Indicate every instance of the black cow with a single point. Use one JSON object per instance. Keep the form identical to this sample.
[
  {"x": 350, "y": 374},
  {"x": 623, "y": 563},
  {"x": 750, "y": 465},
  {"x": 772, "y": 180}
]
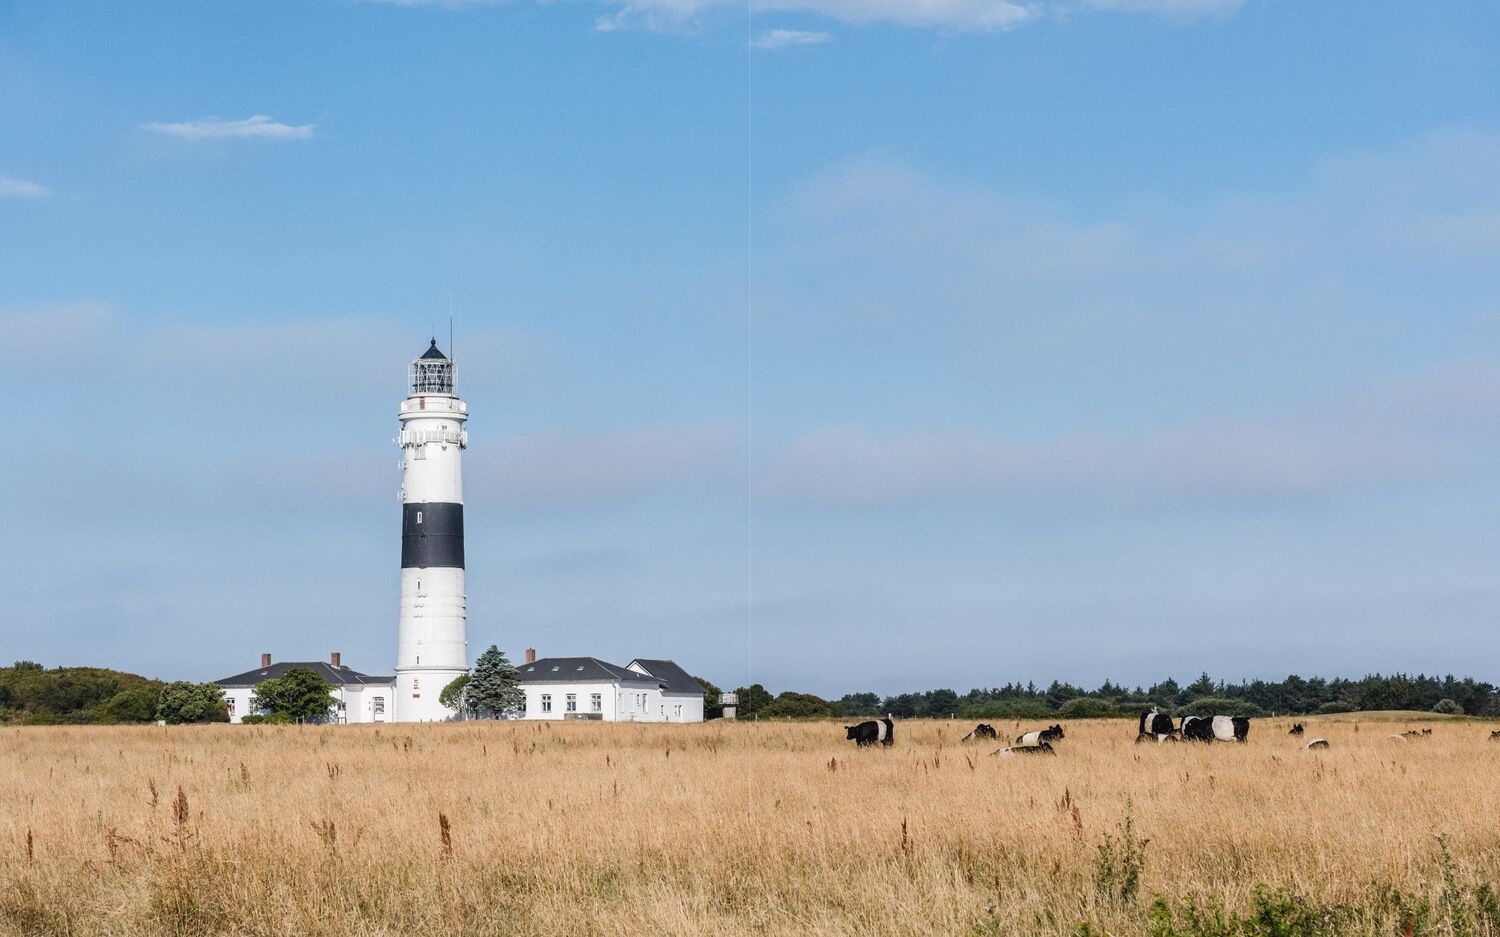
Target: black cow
[
  {"x": 875, "y": 730},
  {"x": 981, "y": 731},
  {"x": 1053, "y": 733},
  {"x": 1156, "y": 727},
  {"x": 1495, "y": 736},
  {"x": 1040, "y": 748},
  {"x": 1297, "y": 729}
]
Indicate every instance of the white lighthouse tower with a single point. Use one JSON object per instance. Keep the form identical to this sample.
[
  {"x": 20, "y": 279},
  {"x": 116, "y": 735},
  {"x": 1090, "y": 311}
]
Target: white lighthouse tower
[{"x": 432, "y": 648}]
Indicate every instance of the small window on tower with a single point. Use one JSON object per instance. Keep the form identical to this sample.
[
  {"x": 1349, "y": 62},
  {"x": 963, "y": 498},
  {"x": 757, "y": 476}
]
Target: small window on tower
[{"x": 419, "y": 517}]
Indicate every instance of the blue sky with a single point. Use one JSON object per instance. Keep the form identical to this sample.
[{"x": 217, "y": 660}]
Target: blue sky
[{"x": 1090, "y": 338}]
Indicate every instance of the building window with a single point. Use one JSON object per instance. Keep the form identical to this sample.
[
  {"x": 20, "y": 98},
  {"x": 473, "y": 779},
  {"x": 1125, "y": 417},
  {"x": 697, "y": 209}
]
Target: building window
[
  {"x": 546, "y": 702},
  {"x": 419, "y": 517},
  {"x": 572, "y": 702},
  {"x": 416, "y": 685},
  {"x": 596, "y": 702},
  {"x": 378, "y": 704},
  {"x": 230, "y": 701},
  {"x": 677, "y": 711}
]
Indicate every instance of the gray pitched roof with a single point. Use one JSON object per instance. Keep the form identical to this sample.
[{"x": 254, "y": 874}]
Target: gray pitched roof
[
  {"x": 673, "y": 678},
  {"x": 338, "y": 676},
  {"x": 576, "y": 670},
  {"x": 433, "y": 353}
]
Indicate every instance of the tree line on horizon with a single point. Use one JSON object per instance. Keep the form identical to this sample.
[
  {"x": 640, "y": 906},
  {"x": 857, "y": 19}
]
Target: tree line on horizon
[
  {"x": 34, "y": 695},
  {"x": 1204, "y": 696}
]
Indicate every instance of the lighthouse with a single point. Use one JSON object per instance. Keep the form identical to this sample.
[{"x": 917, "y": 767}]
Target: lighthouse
[{"x": 432, "y": 648}]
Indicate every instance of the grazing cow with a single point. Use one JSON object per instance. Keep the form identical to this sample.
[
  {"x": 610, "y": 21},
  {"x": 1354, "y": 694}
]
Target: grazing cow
[
  {"x": 1040, "y": 748},
  {"x": 1414, "y": 735},
  {"x": 875, "y": 730},
  {"x": 1314, "y": 744},
  {"x": 1211, "y": 728},
  {"x": 1156, "y": 727},
  {"x": 981, "y": 731},
  {"x": 1196, "y": 729},
  {"x": 1297, "y": 730},
  {"x": 1495, "y": 736},
  {"x": 1050, "y": 734},
  {"x": 1231, "y": 728}
]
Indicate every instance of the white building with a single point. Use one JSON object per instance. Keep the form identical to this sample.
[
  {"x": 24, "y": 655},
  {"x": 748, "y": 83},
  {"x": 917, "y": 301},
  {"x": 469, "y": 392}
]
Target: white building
[
  {"x": 432, "y": 646},
  {"x": 361, "y": 697},
  {"x": 589, "y": 688}
]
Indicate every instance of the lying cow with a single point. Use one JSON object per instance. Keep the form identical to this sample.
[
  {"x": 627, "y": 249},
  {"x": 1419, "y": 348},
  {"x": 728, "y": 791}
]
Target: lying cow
[
  {"x": 1156, "y": 727},
  {"x": 1297, "y": 729},
  {"x": 1315, "y": 744},
  {"x": 1040, "y": 748},
  {"x": 981, "y": 731},
  {"x": 1214, "y": 728},
  {"x": 1052, "y": 733},
  {"x": 1414, "y": 735},
  {"x": 875, "y": 730}
]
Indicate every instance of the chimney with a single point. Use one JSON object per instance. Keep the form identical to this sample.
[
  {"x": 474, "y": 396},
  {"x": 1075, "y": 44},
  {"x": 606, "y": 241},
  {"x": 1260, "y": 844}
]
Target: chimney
[
  {"x": 265, "y": 661},
  {"x": 334, "y": 658},
  {"x": 531, "y": 655}
]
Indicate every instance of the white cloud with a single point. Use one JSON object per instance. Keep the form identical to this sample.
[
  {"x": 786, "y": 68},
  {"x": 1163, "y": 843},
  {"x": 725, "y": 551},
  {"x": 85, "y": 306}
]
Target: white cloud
[
  {"x": 947, "y": 14},
  {"x": 22, "y": 188},
  {"x": 1173, "y": 9},
  {"x": 774, "y": 39},
  {"x": 588, "y": 467},
  {"x": 1424, "y": 428},
  {"x": 956, "y": 15},
  {"x": 257, "y": 127},
  {"x": 448, "y": 4}
]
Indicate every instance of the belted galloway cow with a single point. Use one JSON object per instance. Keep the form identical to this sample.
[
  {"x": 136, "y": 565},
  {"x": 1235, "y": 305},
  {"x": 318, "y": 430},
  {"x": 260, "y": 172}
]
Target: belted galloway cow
[
  {"x": 871, "y": 732},
  {"x": 1156, "y": 727},
  {"x": 1053, "y": 733},
  {"x": 981, "y": 731},
  {"x": 1040, "y": 748}
]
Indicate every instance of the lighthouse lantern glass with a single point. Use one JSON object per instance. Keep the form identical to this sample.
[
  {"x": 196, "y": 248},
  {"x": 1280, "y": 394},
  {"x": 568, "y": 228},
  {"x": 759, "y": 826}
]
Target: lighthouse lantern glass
[{"x": 432, "y": 376}]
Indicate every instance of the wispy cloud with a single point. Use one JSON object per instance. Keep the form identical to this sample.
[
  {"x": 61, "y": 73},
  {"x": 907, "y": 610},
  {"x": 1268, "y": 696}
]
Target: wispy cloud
[
  {"x": 1173, "y": 9},
  {"x": 449, "y": 4},
  {"x": 22, "y": 188},
  {"x": 775, "y": 39},
  {"x": 948, "y": 14},
  {"x": 257, "y": 127}
]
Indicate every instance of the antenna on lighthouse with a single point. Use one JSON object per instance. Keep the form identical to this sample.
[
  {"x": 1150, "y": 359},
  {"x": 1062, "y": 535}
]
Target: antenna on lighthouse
[{"x": 453, "y": 357}]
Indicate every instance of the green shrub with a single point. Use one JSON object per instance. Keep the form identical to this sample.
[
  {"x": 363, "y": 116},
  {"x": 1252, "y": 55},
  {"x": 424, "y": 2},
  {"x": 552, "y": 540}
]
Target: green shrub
[
  {"x": 1448, "y": 707},
  {"x": 1329, "y": 709},
  {"x": 1220, "y": 706},
  {"x": 277, "y": 719},
  {"x": 791, "y": 705},
  {"x": 1087, "y": 707},
  {"x": 254, "y": 719},
  {"x": 184, "y": 701},
  {"x": 137, "y": 704}
]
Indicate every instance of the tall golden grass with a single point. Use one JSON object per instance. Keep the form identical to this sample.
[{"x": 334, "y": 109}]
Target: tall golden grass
[{"x": 730, "y": 828}]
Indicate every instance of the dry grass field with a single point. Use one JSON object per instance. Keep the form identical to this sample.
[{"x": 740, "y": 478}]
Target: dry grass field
[{"x": 525, "y": 828}]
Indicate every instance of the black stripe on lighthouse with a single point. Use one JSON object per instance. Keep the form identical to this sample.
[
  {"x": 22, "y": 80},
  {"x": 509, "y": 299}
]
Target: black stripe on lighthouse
[{"x": 432, "y": 534}]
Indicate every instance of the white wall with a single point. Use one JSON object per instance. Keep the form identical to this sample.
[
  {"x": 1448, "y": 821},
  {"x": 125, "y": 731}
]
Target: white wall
[
  {"x": 358, "y": 700},
  {"x": 619, "y": 702},
  {"x": 683, "y": 707}
]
